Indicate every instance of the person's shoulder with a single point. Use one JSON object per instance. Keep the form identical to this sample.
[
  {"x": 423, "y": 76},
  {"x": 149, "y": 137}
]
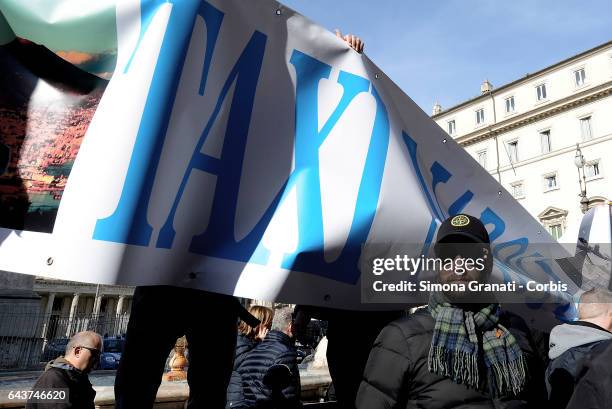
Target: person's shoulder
[
  {"x": 287, "y": 348},
  {"x": 53, "y": 378},
  {"x": 419, "y": 323},
  {"x": 513, "y": 321},
  {"x": 600, "y": 357},
  {"x": 407, "y": 337},
  {"x": 285, "y": 353},
  {"x": 274, "y": 343}
]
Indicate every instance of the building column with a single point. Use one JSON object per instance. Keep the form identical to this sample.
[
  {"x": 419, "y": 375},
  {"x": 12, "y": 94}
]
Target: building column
[
  {"x": 120, "y": 305},
  {"x": 95, "y": 314},
  {"x": 121, "y": 322},
  {"x": 97, "y": 305},
  {"x": 73, "y": 311},
  {"x": 47, "y": 316}
]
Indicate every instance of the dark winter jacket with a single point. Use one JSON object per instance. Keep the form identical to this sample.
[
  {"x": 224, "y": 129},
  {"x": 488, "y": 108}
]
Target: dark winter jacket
[
  {"x": 593, "y": 391},
  {"x": 235, "y": 395},
  {"x": 396, "y": 375},
  {"x": 59, "y": 373},
  {"x": 570, "y": 344},
  {"x": 276, "y": 348}
]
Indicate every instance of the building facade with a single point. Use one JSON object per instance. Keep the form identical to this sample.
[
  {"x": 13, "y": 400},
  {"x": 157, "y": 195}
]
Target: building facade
[
  {"x": 38, "y": 315},
  {"x": 526, "y": 134},
  {"x": 69, "y": 307}
]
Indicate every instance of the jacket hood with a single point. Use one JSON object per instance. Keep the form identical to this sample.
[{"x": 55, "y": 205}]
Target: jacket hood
[
  {"x": 63, "y": 364},
  {"x": 566, "y": 336}
]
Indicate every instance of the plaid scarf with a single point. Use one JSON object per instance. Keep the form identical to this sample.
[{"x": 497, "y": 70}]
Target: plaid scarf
[{"x": 454, "y": 347}]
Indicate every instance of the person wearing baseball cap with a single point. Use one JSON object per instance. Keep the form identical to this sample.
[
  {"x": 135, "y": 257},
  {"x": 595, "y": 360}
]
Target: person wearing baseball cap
[
  {"x": 455, "y": 353},
  {"x": 463, "y": 244}
]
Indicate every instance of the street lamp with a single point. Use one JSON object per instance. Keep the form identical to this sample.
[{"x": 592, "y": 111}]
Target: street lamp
[{"x": 580, "y": 162}]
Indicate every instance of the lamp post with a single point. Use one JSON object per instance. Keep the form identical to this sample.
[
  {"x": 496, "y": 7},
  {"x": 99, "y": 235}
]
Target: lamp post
[{"x": 580, "y": 162}]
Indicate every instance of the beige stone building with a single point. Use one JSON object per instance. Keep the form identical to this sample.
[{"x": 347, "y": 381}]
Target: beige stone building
[
  {"x": 69, "y": 306},
  {"x": 526, "y": 134}
]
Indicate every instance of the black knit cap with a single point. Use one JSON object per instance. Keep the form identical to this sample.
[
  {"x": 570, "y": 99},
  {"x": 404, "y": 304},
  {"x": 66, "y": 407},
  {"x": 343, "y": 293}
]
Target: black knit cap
[{"x": 462, "y": 228}]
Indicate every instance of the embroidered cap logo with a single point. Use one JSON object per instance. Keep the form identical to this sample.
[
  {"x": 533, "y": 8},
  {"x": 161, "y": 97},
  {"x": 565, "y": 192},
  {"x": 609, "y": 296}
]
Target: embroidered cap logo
[{"x": 460, "y": 221}]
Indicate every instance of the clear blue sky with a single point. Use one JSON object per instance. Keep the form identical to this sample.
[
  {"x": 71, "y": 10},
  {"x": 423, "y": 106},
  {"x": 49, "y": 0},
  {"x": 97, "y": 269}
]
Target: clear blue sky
[{"x": 443, "y": 50}]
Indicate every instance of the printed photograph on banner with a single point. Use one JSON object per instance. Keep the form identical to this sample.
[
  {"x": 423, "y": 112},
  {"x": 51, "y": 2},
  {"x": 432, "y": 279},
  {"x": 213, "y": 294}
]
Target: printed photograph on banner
[{"x": 46, "y": 106}]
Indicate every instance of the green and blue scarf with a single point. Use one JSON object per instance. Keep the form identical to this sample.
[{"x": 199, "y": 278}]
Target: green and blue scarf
[{"x": 455, "y": 350}]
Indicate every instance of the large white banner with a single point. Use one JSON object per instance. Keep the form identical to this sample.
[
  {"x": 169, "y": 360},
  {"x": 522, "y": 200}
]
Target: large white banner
[{"x": 240, "y": 148}]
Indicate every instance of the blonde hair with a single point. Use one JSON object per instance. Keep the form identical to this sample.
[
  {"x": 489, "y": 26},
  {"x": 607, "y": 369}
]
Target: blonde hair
[{"x": 263, "y": 314}]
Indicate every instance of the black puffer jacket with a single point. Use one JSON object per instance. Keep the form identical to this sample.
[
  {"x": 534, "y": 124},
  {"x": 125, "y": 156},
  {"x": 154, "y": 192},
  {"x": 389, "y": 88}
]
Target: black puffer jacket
[
  {"x": 593, "y": 389},
  {"x": 61, "y": 374},
  {"x": 235, "y": 395},
  {"x": 570, "y": 345},
  {"x": 276, "y": 348},
  {"x": 396, "y": 375}
]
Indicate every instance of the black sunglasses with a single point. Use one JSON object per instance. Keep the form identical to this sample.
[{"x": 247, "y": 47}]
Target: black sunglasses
[{"x": 94, "y": 351}]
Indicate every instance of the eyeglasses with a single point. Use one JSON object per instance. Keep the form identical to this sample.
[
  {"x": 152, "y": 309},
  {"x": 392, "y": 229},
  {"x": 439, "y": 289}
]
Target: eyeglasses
[{"x": 94, "y": 351}]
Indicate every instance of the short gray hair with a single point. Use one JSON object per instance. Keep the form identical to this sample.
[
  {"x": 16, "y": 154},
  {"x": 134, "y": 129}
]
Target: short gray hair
[
  {"x": 594, "y": 303},
  {"x": 282, "y": 318},
  {"x": 83, "y": 338}
]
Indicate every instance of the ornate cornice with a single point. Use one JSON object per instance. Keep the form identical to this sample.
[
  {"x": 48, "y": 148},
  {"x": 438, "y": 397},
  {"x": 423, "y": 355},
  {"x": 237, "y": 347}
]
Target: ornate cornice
[
  {"x": 528, "y": 77},
  {"x": 47, "y": 285},
  {"x": 537, "y": 114}
]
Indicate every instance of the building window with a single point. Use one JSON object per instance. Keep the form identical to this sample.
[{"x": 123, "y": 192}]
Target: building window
[
  {"x": 517, "y": 190},
  {"x": 510, "y": 105},
  {"x": 451, "y": 127},
  {"x": 579, "y": 77},
  {"x": 482, "y": 158},
  {"x": 591, "y": 169},
  {"x": 585, "y": 128},
  {"x": 553, "y": 219},
  {"x": 545, "y": 141},
  {"x": 541, "y": 92},
  {"x": 480, "y": 116},
  {"x": 513, "y": 151},
  {"x": 556, "y": 230},
  {"x": 550, "y": 182}
]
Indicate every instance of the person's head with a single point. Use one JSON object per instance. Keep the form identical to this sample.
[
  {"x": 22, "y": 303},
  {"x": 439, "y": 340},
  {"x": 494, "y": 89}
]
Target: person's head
[
  {"x": 83, "y": 350},
  {"x": 463, "y": 245},
  {"x": 596, "y": 307},
  {"x": 283, "y": 320},
  {"x": 264, "y": 315},
  {"x": 301, "y": 319}
]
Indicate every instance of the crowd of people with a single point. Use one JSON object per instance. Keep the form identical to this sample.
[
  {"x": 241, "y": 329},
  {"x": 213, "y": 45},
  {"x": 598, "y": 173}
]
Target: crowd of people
[{"x": 455, "y": 352}]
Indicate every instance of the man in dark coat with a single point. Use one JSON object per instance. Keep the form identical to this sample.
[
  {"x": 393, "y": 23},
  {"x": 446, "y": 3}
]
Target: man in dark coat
[
  {"x": 462, "y": 351},
  {"x": 69, "y": 372},
  {"x": 593, "y": 389},
  {"x": 572, "y": 343},
  {"x": 277, "y": 348}
]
